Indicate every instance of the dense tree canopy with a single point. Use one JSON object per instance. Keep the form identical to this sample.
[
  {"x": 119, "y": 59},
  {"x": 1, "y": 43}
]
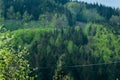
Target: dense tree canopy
[{"x": 58, "y": 40}]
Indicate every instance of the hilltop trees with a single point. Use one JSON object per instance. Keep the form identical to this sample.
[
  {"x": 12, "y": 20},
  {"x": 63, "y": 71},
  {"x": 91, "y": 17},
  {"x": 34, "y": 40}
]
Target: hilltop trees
[
  {"x": 26, "y": 17},
  {"x": 65, "y": 39},
  {"x": 115, "y": 20},
  {"x": 73, "y": 10},
  {"x": 1, "y": 9}
]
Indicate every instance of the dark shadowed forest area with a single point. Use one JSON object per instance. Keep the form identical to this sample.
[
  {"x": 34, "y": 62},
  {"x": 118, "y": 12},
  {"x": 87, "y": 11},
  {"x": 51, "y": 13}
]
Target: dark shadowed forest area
[{"x": 59, "y": 40}]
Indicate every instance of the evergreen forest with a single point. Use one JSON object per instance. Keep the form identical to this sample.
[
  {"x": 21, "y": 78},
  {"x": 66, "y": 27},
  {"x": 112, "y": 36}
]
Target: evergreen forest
[{"x": 59, "y": 40}]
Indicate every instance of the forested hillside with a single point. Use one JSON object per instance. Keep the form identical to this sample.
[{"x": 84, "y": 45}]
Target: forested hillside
[{"x": 58, "y": 40}]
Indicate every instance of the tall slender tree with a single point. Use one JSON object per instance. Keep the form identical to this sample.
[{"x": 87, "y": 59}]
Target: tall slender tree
[{"x": 1, "y": 8}]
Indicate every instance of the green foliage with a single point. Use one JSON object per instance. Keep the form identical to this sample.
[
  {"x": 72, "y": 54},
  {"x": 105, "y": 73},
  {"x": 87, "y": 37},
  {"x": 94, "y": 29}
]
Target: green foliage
[
  {"x": 115, "y": 20},
  {"x": 2, "y": 29},
  {"x": 13, "y": 65},
  {"x": 11, "y": 13},
  {"x": 59, "y": 72},
  {"x": 18, "y": 16},
  {"x": 74, "y": 8},
  {"x": 43, "y": 43},
  {"x": 60, "y": 47},
  {"x": 62, "y": 38},
  {"x": 58, "y": 40},
  {"x": 70, "y": 47},
  {"x": 26, "y": 16},
  {"x": 1, "y": 9},
  {"x": 43, "y": 20},
  {"x": 91, "y": 15},
  {"x": 59, "y": 21}
]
